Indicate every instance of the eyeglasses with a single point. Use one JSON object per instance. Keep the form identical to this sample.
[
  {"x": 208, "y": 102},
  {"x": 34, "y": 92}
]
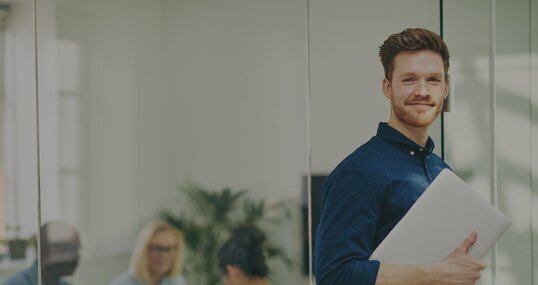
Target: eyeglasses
[{"x": 154, "y": 248}]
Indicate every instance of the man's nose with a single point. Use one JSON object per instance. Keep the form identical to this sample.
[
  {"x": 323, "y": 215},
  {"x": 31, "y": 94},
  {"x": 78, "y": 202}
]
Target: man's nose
[{"x": 421, "y": 88}]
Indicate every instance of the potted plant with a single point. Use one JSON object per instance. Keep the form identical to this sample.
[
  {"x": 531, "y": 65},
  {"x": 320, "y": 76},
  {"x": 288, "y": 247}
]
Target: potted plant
[
  {"x": 16, "y": 245},
  {"x": 208, "y": 224}
]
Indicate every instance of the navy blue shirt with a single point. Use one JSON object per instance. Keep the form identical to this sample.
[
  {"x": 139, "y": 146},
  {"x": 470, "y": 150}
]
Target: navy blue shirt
[{"x": 364, "y": 197}]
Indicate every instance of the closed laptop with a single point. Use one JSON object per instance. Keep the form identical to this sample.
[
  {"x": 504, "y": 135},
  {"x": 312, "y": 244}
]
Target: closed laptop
[{"x": 446, "y": 213}]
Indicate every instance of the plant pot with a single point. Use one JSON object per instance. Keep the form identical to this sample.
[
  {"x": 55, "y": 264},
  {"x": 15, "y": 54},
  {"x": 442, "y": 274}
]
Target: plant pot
[{"x": 17, "y": 249}]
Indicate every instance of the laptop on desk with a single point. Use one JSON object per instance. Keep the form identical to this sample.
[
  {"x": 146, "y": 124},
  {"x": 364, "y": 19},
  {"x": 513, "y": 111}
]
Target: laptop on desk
[{"x": 446, "y": 213}]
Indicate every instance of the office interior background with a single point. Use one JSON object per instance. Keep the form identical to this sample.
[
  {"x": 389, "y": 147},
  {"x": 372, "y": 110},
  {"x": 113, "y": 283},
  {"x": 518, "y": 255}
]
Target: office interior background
[{"x": 137, "y": 97}]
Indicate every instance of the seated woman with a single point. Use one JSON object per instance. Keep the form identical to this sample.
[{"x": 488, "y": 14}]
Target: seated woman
[
  {"x": 241, "y": 258},
  {"x": 156, "y": 259}
]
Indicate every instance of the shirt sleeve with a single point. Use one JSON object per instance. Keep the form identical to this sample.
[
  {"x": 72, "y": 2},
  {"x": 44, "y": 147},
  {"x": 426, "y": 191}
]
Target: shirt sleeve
[{"x": 345, "y": 236}]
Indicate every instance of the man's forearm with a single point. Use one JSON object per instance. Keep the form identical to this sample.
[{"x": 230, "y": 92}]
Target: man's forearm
[
  {"x": 456, "y": 268},
  {"x": 390, "y": 274}
]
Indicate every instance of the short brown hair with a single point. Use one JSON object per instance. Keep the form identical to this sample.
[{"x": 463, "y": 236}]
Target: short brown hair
[{"x": 411, "y": 40}]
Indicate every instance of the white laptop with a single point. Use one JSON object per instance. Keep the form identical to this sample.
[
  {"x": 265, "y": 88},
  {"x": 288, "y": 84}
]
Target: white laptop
[{"x": 446, "y": 213}]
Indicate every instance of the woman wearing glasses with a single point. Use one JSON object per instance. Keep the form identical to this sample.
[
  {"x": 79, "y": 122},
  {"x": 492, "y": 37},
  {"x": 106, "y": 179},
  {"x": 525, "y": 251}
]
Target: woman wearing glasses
[{"x": 156, "y": 258}]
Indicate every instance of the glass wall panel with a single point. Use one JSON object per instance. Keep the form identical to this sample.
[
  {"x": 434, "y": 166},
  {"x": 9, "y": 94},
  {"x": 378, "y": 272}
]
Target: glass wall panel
[
  {"x": 18, "y": 143},
  {"x": 468, "y": 125},
  {"x": 513, "y": 125},
  {"x": 170, "y": 109},
  {"x": 491, "y": 136},
  {"x": 196, "y": 109}
]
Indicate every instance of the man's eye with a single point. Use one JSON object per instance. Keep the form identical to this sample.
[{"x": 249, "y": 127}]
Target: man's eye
[
  {"x": 408, "y": 80},
  {"x": 436, "y": 80}
]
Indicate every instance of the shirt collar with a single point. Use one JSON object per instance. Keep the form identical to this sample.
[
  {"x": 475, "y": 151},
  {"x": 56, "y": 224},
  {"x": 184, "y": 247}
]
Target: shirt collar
[{"x": 402, "y": 142}]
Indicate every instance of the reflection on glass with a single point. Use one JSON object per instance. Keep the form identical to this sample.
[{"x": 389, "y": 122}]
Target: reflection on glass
[
  {"x": 495, "y": 114},
  {"x": 469, "y": 44},
  {"x": 513, "y": 126}
]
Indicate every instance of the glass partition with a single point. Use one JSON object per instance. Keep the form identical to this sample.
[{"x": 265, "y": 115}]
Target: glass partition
[
  {"x": 18, "y": 160},
  {"x": 469, "y": 44},
  {"x": 189, "y": 111},
  {"x": 491, "y": 133},
  {"x": 513, "y": 139},
  {"x": 197, "y": 113}
]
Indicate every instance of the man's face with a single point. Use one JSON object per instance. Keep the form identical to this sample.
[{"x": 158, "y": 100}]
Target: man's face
[
  {"x": 417, "y": 88},
  {"x": 60, "y": 249}
]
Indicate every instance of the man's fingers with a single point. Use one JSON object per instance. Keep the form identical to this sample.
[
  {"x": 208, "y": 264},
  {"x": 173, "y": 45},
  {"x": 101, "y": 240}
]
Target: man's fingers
[
  {"x": 467, "y": 243},
  {"x": 480, "y": 266}
]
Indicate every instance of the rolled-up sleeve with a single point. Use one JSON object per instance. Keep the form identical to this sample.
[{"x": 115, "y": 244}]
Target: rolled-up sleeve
[{"x": 345, "y": 236}]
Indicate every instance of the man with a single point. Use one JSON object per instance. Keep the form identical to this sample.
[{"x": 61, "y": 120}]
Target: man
[
  {"x": 374, "y": 187},
  {"x": 60, "y": 246}
]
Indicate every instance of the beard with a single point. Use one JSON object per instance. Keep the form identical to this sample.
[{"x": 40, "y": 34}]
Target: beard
[{"x": 416, "y": 118}]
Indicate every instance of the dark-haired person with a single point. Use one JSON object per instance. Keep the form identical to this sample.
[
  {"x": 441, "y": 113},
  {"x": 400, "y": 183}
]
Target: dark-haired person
[
  {"x": 368, "y": 193},
  {"x": 241, "y": 258},
  {"x": 60, "y": 246}
]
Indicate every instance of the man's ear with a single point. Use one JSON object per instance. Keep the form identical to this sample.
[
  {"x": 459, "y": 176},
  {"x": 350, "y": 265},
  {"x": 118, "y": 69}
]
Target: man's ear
[
  {"x": 446, "y": 106},
  {"x": 386, "y": 87},
  {"x": 233, "y": 271},
  {"x": 447, "y": 87}
]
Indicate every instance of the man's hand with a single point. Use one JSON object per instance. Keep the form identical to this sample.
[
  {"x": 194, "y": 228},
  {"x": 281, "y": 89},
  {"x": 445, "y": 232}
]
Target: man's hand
[{"x": 458, "y": 267}]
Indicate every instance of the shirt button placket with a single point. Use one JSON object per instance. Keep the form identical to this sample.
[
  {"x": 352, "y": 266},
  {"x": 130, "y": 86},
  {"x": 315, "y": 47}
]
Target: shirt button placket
[{"x": 426, "y": 164}]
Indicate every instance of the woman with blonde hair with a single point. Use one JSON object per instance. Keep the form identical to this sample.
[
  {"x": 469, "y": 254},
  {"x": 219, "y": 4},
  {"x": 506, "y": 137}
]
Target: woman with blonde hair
[{"x": 156, "y": 259}]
